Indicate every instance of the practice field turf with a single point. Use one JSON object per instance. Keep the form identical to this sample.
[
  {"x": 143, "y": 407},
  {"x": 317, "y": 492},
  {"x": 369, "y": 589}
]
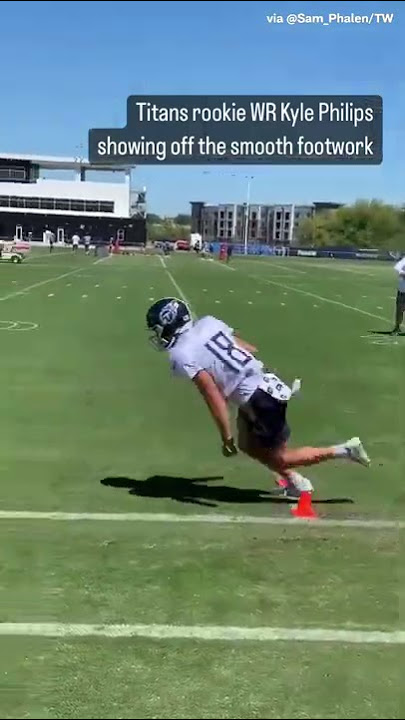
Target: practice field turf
[{"x": 143, "y": 575}]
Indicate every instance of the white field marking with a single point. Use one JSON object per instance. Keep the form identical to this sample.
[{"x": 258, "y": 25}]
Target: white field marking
[
  {"x": 379, "y": 307},
  {"x": 319, "y": 297},
  {"x": 107, "y": 257},
  {"x": 18, "y": 325},
  {"x": 336, "y": 268},
  {"x": 283, "y": 304},
  {"x": 151, "y": 299},
  {"x": 207, "y": 632},
  {"x": 41, "y": 283},
  {"x": 221, "y": 264},
  {"x": 275, "y": 263},
  {"x": 176, "y": 285},
  {"x": 98, "y": 285},
  {"x": 250, "y": 302},
  {"x": 211, "y": 518},
  {"x": 217, "y": 302},
  {"x": 84, "y": 296},
  {"x": 51, "y": 294},
  {"x": 315, "y": 306},
  {"x": 259, "y": 292},
  {"x": 118, "y": 297},
  {"x": 386, "y": 341}
]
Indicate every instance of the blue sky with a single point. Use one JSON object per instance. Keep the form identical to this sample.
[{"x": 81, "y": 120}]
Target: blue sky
[{"x": 69, "y": 66}]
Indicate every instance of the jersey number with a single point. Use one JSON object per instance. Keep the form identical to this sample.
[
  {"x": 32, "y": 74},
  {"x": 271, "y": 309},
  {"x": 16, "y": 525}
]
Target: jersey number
[{"x": 225, "y": 350}]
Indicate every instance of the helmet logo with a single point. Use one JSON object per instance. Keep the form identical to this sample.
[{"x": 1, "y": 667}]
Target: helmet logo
[{"x": 168, "y": 314}]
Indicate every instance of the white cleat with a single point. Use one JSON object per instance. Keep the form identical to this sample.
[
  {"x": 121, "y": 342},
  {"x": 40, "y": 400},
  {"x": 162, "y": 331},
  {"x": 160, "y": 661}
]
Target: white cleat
[{"x": 356, "y": 452}]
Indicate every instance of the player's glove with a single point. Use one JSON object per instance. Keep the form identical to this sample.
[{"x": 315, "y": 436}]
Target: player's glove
[{"x": 229, "y": 448}]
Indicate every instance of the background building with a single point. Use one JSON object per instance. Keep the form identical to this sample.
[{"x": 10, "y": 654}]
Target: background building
[
  {"x": 31, "y": 204},
  {"x": 267, "y": 224}
]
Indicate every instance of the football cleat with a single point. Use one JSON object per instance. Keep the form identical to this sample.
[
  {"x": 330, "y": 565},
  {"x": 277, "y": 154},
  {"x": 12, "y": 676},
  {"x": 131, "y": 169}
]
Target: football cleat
[{"x": 356, "y": 452}]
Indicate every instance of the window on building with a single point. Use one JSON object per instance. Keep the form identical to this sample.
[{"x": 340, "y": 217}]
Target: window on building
[
  {"x": 222, "y": 214},
  {"x": 221, "y": 233},
  {"x": 107, "y": 207},
  {"x": 287, "y": 215},
  {"x": 221, "y": 224},
  {"x": 12, "y": 173},
  {"x": 77, "y": 205},
  {"x": 254, "y": 215},
  {"x": 90, "y": 206},
  {"x": 18, "y": 201},
  {"x": 229, "y": 233},
  {"x": 62, "y": 204},
  {"x": 32, "y": 203}
]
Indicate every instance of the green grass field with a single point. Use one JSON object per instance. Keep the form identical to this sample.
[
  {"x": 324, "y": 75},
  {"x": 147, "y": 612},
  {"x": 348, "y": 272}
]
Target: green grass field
[{"x": 92, "y": 423}]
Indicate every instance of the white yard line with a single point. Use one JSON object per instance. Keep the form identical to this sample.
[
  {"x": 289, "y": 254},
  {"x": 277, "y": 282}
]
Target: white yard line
[
  {"x": 224, "y": 265},
  {"x": 15, "y": 293},
  {"x": 275, "y": 263},
  {"x": 103, "y": 259},
  {"x": 316, "y": 297},
  {"x": 175, "y": 284},
  {"x": 212, "y": 518},
  {"x": 206, "y": 632},
  {"x": 320, "y": 297}
]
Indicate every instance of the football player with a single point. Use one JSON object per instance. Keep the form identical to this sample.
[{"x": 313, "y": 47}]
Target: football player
[{"x": 225, "y": 370}]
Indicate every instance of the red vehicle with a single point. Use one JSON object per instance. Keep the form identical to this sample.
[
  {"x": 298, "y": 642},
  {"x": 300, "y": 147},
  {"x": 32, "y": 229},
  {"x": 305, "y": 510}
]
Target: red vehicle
[{"x": 182, "y": 245}]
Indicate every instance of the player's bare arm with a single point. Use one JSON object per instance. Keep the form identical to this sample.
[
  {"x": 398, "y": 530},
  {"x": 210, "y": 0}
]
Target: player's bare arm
[{"x": 218, "y": 408}]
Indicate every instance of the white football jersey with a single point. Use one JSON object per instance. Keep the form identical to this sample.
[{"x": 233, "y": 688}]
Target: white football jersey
[
  {"x": 209, "y": 345},
  {"x": 400, "y": 268}
]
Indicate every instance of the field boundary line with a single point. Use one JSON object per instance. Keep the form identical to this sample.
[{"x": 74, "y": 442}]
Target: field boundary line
[
  {"x": 15, "y": 293},
  {"x": 206, "y": 632},
  {"x": 175, "y": 284},
  {"x": 213, "y": 518}
]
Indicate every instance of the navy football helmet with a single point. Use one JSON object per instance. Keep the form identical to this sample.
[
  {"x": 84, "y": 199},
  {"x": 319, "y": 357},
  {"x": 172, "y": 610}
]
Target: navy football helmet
[{"x": 166, "y": 319}]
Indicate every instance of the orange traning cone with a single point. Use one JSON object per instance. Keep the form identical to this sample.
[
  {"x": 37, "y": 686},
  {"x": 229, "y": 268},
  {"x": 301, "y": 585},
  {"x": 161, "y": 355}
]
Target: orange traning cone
[{"x": 304, "y": 508}]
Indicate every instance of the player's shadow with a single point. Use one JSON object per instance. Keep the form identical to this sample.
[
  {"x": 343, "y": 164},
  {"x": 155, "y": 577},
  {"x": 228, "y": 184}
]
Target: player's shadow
[
  {"x": 386, "y": 332},
  {"x": 198, "y": 491}
]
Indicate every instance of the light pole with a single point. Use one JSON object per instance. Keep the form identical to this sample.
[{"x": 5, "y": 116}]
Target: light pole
[{"x": 246, "y": 229}]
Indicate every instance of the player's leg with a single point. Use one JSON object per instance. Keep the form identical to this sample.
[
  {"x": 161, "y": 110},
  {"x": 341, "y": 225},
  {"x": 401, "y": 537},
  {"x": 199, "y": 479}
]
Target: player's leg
[
  {"x": 263, "y": 448},
  {"x": 263, "y": 433},
  {"x": 399, "y": 311}
]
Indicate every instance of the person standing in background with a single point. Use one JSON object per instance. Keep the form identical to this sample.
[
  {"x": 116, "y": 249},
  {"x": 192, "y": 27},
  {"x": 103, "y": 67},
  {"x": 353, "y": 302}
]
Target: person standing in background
[{"x": 400, "y": 303}]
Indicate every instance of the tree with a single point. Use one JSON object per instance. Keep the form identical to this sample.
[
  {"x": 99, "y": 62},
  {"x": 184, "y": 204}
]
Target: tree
[
  {"x": 182, "y": 219},
  {"x": 153, "y": 219},
  {"x": 366, "y": 224}
]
